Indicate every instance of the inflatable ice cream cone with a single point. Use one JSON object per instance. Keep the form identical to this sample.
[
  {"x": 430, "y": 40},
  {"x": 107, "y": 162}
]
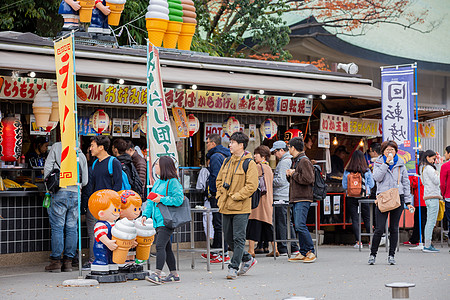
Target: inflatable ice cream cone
[
  {"x": 145, "y": 236},
  {"x": 175, "y": 24},
  {"x": 157, "y": 19},
  {"x": 189, "y": 24},
  {"x": 116, "y": 7},
  {"x": 86, "y": 10},
  {"x": 124, "y": 233}
]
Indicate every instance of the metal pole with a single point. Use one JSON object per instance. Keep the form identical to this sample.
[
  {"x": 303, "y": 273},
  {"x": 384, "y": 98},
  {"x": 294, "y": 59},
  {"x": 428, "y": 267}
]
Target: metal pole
[
  {"x": 80, "y": 272},
  {"x": 149, "y": 170},
  {"x": 417, "y": 149}
]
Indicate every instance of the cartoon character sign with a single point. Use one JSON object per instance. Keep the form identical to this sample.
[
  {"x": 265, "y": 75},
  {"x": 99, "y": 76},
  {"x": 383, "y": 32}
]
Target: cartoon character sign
[{"x": 104, "y": 206}]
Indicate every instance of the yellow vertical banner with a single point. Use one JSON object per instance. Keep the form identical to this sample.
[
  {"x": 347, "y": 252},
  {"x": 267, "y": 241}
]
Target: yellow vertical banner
[
  {"x": 179, "y": 116},
  {"x": 64, "y": 60}
]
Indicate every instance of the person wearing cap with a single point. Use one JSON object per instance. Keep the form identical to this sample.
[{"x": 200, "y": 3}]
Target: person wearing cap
[
  {"x": 281, "y": 196},
  {"x": 337, "y": 161}
]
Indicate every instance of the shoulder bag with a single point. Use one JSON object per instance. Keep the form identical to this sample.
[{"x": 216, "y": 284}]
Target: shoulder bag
[
  {"x": 262, "y": 182},
  {"x": 52, "y": 180},
  {"x": 175, "y": 216},
  {"x": 390, "y": 199}
]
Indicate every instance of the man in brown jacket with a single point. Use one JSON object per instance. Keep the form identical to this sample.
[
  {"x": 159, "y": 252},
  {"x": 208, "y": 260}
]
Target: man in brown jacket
[
  {"x": 301, "y": 197},
  {"x": 140, "y": 164},
  {"x": 235, "y": 187}
]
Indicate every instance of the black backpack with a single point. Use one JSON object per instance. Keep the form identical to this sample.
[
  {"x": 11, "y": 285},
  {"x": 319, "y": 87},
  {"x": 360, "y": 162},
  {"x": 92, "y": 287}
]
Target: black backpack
[
  {"x": 133, "y": 178},
  {"x": 256, "y": 196},
  {"x": 320, "y": 187}
]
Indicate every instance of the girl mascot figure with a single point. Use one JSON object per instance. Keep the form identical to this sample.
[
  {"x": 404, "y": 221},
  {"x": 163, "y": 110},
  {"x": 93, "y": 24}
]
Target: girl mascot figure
[{"x": 104, "y": 206}]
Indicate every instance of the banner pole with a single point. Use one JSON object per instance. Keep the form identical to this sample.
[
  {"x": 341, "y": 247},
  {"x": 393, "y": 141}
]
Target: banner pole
[
  {"x": 149, "y": 170},
  {"x": 417, "y": 150},
  {"x": 80, "y": 262}
]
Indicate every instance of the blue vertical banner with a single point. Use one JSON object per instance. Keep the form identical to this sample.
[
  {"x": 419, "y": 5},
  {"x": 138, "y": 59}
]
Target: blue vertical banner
[{"x": 397, "y": 103}]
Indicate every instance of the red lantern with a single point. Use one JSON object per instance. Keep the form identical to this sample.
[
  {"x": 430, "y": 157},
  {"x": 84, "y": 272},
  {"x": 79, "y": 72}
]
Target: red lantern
[
  {"x": 292, "y": 133},
  {"x": 194, "y": 125},
  {"x": 11, "y": 135},
  {"x": 269, "y": 129},
  {"x": 99, "y": 121}
]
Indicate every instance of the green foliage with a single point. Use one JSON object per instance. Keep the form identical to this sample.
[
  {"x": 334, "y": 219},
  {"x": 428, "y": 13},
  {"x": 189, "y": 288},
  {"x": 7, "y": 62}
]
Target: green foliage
[{"x": 134, "y": 12}]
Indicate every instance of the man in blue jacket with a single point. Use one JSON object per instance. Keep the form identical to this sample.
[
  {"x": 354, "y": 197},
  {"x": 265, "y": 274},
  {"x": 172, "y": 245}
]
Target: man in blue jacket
[{"x": 216, "y": 155}]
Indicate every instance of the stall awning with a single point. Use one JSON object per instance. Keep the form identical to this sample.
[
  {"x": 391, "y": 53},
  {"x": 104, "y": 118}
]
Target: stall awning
[{"x": 204, "y": 77}]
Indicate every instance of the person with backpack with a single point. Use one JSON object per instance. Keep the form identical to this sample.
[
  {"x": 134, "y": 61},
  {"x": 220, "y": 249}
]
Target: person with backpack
[
  {"x": 358, "y": 182},
  {"x": 140, "y": 164},
  {"x": 260, "y": 226},
  {"x": 236, "y": 182},
  {"x": 432, "y": 194},
  {"x": 168, "y": 191},
  {"x": 119, "y": 149},
  {"x": 390, "y": 173},
  {"x": 105, "y": 173},
  {"x": 301, "y": 178},
  {"x": 216, "y": 156},
  {"x": 63, "y": 213}
]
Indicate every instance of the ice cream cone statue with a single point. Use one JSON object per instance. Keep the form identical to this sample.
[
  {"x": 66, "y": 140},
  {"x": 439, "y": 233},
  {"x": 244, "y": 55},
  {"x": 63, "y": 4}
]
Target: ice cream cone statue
[
  {"x": 52, "y": 90},
  {"x": 189, "y": 24},
  {"x": 124, "y": 233},
  {"x": 175, "y": 24},
  {"x": 86, "y": 10},
  {"x": 104, "y": 205},
  {"x": 157, "y": 19},
  {"x": 116, "y": 7},
  {"x": 145, "y": 236},
  {"x": 42, "y": 108}
]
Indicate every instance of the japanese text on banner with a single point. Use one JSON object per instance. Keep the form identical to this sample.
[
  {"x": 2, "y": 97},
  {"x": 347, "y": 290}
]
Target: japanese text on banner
[{"x": 64, "y": 62}]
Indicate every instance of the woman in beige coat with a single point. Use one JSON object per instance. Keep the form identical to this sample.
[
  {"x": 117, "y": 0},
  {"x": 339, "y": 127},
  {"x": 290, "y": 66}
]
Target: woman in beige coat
[{"x": 260, "y": 228}]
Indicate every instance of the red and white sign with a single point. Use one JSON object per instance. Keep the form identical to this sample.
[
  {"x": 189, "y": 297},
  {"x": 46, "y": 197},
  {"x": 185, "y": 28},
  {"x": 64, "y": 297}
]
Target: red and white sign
[
  {"x": 334, "y": 124},
  {"x": 215, "y": 128}
]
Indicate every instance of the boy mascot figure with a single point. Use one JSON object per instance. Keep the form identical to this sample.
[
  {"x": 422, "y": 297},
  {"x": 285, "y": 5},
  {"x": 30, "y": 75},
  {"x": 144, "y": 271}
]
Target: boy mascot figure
[
  {"x": 69, "y": 10},
  {"x": 104, "y": 206}
]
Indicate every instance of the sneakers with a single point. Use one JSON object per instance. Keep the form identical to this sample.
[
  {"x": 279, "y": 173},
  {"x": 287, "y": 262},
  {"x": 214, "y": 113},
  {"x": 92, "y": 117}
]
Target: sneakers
[
  {"x": 67, "y": 265},
  {"x": 171, "y": 278},
  {"x": 211, "y": 255},
  {"x": 383, "y": 240},
  {"x": 371, "y": 260},
  {"x": 246, "y": 266},
  {"x": 218, "y": 260},
  {"x": 391, "y": 260},
  {"x": 408, "y": 243},
  {"x": 294, "y": 253},
  {"x": 154, "y": 278},
  {"x": 271, "y": 254},
  {"x": 358, "y": 245},
  {"x": 54, "y": 266},
  {"x": 86, "y": 266},
  {"x": 430, "y": 249},
  {"x": 232, "y": 273},
  {"x": 285, "y": 254},
  {"x": 298, "y": 258},
  {"x": 310, "y": 257}
]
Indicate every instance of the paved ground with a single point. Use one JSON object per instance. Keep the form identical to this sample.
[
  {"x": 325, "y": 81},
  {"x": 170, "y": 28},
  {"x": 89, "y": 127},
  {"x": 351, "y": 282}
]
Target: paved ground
[{"x": 340, "y": 272}]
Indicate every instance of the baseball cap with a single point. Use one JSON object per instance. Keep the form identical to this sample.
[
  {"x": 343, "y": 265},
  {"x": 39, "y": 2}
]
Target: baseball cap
[{"x": 278, "y": 145}]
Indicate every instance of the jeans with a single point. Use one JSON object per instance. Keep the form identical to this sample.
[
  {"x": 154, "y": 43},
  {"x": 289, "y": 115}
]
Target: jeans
[
  {"x": 415, "y": 237},
  {"x": 300, "y": 213},
  {"x": 63, "y": 216},
  {"x": 90, "y": 223},
  {"x": 381, "y": 218},
  {"x": 217, "y": 225},
  {"x": 447, "y": 212},
  {"x": 432, "y": 212},
  {"x": 353, "y": 206},
  {"x": 281, "y": 229},
  {"x": 235, "y": 229},
  {"x": 164, "y": 253}
]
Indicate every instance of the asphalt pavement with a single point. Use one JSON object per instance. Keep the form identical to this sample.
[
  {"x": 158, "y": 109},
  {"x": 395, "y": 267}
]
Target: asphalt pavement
[{"x": 340, "y": 272}]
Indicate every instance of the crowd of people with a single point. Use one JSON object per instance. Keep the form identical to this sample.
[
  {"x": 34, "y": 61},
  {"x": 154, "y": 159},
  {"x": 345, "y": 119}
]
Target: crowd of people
[{"x": 244, "y": 188}]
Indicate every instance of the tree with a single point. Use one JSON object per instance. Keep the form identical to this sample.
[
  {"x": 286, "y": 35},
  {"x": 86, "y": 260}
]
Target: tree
[{"x": 226, "y": 23}]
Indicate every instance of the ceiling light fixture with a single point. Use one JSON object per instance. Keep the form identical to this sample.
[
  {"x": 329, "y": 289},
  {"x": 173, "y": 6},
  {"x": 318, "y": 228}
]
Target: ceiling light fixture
[
  {"x": 323, "y": 96},
  {"x": 194, "y": 87},
  {"x": 121, "y": 81},
  {"x": 32, "y": 74}
]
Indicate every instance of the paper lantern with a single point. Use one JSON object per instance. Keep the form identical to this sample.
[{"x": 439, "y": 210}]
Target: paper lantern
[
  {"x": 99, "y": 121},
  {"x": 230, "y": 126},
  {"x": 292, "y": 133},
  {"x": 269, "y": 129},
  {"x": 11, "y": 134},
  {"x": 143, "y": 123},
  {"x": 194, "y": 124}
]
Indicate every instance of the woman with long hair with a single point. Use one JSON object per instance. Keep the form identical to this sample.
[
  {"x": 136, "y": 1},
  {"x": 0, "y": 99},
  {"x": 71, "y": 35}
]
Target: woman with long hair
[
  {"x": 358, "y": 173},
  {"x": 168, "y": 191},
  {"x": 260, "y": 227},
  {"x": 390, "y": 172},
  {"x": 432, "y": 194}
]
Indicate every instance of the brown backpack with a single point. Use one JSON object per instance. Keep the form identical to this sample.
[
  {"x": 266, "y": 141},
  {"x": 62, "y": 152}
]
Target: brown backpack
[{"x": 354, "y": 185}]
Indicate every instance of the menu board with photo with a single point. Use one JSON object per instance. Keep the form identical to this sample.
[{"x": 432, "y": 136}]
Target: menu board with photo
[
  {"x": 117, "y": 127},
  {"x": 135, "y": 131},
  {"x": 126, "y": 127}
]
